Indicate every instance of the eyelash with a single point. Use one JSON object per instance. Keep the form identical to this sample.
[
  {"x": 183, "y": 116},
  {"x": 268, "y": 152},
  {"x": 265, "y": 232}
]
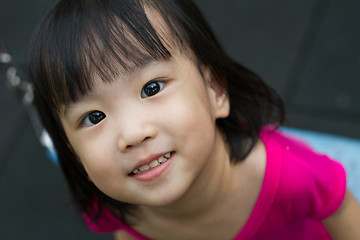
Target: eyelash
[
  {"x": 158, "y": 84},
  {"x": 100, "y": 116}
]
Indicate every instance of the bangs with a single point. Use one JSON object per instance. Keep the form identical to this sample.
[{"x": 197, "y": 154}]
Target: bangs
[{"x": 91, "y": 38}]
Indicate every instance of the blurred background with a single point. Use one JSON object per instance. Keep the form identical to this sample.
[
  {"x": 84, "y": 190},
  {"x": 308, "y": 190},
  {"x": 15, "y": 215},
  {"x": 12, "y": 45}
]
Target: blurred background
[{"x": 308, "y": 50}]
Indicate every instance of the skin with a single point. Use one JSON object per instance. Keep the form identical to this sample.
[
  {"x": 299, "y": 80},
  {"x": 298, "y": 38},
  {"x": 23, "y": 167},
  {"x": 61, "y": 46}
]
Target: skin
[
  {"x": 179, "y": 119},
  {"x": 200, "y": 188},
  {"x": 345, "y": 223},
  {"x": 199, "y": 177},
  {"x": 135, "y": 128}
]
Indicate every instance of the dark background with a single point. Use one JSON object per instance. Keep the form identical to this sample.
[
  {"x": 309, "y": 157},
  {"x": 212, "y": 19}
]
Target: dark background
[{"x": 308, "y": 50}]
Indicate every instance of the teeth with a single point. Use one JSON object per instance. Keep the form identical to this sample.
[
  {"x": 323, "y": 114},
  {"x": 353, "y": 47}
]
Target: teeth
[
  {"x": 153, "y": 164},
  {"x": 144, "y": 168},
  {"x": 162, "y": 159}
]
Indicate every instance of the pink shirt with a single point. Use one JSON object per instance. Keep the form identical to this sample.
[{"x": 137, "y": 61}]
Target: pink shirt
[{"x": 300, "y": 189}]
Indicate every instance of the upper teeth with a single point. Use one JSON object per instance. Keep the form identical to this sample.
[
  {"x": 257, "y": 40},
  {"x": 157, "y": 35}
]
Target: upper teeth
[{"x": 153, "y": 164}]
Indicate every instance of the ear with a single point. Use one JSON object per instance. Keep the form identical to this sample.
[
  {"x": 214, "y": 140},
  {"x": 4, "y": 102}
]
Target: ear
[{"x": 219, "y": 97}]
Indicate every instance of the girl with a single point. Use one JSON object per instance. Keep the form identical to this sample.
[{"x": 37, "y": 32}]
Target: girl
[{"x": 162, "y": 136}]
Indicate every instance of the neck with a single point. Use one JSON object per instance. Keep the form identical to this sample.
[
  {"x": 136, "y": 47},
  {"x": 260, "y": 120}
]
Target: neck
[
  {"x": 215, "y": 207},
  {"x": 209, "y": 191},
  {"x": 210, "y": 194}
]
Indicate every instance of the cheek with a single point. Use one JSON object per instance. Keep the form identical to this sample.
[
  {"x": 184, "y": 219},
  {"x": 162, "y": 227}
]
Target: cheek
[
  {"x": 102, "y": 172},
  {"x": 192, "y": 120},
  {"x": 95, "y": 157}
]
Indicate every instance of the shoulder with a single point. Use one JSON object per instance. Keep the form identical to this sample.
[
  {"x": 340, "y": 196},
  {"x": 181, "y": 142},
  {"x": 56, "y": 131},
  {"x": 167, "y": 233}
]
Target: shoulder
[
  {"x": 105, "y": 221},
  {"x": 296, "y": 156},
  {"x": 311, "y": 184}
]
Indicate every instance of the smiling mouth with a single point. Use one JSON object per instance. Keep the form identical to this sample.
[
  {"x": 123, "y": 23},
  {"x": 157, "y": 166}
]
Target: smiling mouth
[{"x": 153, "y": 164}]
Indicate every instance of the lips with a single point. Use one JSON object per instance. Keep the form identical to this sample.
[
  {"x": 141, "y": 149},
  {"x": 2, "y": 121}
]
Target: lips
[{"x": 154, "y": 163}]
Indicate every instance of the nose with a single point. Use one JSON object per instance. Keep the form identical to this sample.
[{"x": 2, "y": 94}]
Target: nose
[{"x": 134, "y": 133}]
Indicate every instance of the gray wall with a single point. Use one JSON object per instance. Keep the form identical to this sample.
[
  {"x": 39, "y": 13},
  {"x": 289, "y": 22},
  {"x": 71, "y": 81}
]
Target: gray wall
[{"x": 308, "y": 50}]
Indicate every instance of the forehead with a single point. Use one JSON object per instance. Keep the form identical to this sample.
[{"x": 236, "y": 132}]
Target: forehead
[
  {"x": 133, "y": 51},
  {"x": 111, "y": 46}
]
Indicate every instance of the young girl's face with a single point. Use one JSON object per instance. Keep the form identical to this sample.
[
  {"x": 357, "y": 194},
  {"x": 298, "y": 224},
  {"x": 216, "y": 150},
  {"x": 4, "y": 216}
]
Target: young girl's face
[{"x": 149, "y": 135}]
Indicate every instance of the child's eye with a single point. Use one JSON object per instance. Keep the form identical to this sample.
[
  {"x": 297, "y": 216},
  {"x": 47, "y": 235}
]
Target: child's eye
[
  {"x": 152, "y": 88},
  {"x": 92, "y": 118}
]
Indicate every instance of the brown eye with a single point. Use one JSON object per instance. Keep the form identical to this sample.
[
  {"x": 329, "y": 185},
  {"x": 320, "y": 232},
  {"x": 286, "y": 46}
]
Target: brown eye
[{"x": 152, "y": 88}]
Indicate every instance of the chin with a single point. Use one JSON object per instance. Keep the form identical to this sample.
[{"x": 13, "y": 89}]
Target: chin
[{"x": 165, "y": 197}]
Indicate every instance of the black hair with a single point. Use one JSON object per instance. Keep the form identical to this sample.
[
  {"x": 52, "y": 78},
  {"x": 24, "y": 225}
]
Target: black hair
[{"x": 80, "y": 38}]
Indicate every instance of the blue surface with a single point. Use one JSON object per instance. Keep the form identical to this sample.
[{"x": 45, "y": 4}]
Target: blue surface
[
  {"x": 345, "y": 150},
  {"x": 307, "y": 50}
]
